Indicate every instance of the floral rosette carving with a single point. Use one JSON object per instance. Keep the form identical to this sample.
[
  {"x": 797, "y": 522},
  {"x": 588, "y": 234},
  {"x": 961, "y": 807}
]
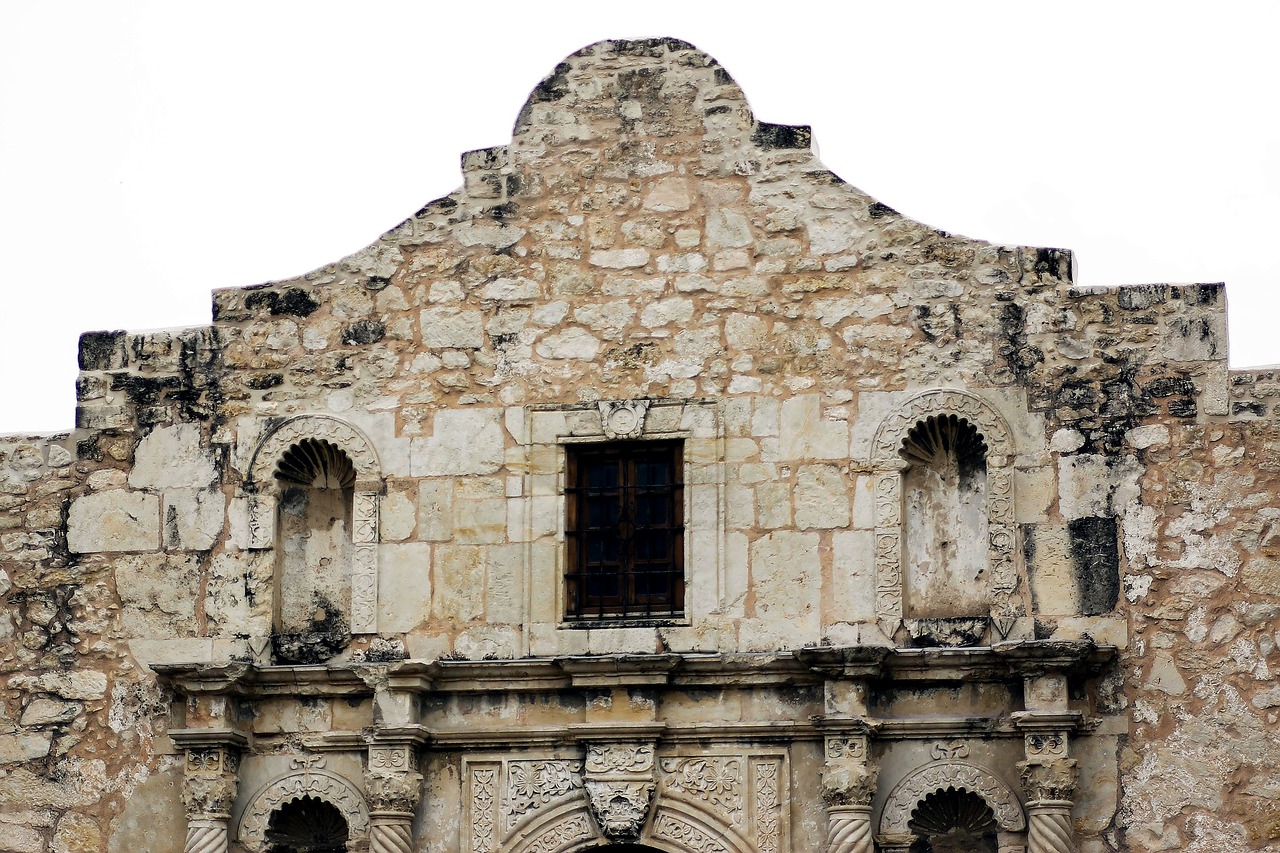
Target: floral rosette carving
[
  {"x": 532, "y": 784},
  {"x": 715, "y": 780}
]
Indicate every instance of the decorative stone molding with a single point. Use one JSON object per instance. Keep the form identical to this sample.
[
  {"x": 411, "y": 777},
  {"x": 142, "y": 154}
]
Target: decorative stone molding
[
  {"x": 623, "y": 418},
  {"x": 847, "y": 778},
  {"x": 620, "y": 787},
  {"x": 209, "y": 783},
  {"x": 482, "y": 799},
  {"x": 1051, "y": 779},
  {"x": 261, "y": 500},
  {"x": 308, "y": 779},
  {"x": 341, "y": 434},
  {"x": 687, "y": 836},
  {"x": 1006, "y": 598},
  {"x": 961, "y": 775},
  {"x": 848, "y": 786},
  {"x": 768, "y": 805}
]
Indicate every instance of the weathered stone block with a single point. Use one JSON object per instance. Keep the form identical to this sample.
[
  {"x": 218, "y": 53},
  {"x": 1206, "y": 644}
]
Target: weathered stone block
[
  {"x": 116, "y": 520},
  {"x": 173, "y": 457}
]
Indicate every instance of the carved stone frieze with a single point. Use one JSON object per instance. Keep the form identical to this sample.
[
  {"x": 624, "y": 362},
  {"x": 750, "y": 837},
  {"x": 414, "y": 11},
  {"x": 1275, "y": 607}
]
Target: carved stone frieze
[
  {"x": 623, "y": 418},
  {"x": 533, "y": 784},
  {"x": 716, "y": 780},
  {"x": 619, "y": 758},
  {"x": 685, "y": 835}
]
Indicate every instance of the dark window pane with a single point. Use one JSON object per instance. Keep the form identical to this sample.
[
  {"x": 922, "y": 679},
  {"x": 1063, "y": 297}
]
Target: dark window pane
[{"x": 624, "y": 538}]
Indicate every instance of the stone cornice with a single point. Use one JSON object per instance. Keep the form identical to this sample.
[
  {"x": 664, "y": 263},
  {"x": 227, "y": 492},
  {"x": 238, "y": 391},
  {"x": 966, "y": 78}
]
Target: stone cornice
[{"x": 1002, "y": 662}]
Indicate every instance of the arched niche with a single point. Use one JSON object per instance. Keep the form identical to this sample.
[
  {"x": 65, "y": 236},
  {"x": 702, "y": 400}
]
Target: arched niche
[
  {"x": 309, "y": 476},
  {"x": 293, "y": 788},
  {"x": 911, "y": 792},
  {"x": 943, "y": 473}
]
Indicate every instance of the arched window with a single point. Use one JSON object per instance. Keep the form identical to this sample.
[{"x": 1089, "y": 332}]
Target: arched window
[
  {"x": 944, "y": 495},
  {"x": 314, "y": 550}
]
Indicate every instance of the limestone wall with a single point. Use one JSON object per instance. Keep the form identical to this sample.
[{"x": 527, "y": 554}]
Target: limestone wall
[{"x": 644, "y": 237}]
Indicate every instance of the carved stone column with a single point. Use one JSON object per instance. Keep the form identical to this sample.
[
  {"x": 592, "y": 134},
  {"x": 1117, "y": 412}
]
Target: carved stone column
[
  {"x": 208, "y": 795},
  {"x": 393, "y": 788},
  {"x": 848, "y": 784},
  {"x": 1049, "y": 780},
  {"x": 620, "y": 787}
]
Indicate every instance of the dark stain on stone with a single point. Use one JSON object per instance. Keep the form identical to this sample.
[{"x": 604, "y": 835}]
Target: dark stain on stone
[
  {"x": 879, "y": 210},
  {"x": 324, "y": 637},
  {"x": 292, "y": 302},
  {"x": 1021, "y": 357},
  {"x": 263, "y": 381},
  {"x": 1183, "y": 407},
  {"x": 1170, "y": 386},
  {"x": 364, "y": 332},
  {"x": 377, "y": 282},
  {"x": 782, "y": 136},
  {"x": 1252, "y": 407},
  {"x": 1094, "y": 549},
  {"x": 102, "y": 350}
]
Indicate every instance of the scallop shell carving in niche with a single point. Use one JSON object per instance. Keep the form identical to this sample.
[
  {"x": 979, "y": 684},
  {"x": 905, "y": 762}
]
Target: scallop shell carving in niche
[
  {"x": 316, "y": 463},
  {"x": 308, "y": 824}
]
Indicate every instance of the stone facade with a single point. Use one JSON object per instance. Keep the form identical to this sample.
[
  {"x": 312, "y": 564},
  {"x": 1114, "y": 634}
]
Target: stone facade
[{"x": 969, "y": 557}]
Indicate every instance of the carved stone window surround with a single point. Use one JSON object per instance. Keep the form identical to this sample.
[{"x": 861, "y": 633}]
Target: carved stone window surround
[
  {"x": 260, "y": 494},
  {"x": 549, "y": 428},
  {"x": 1008, "y": 582}
]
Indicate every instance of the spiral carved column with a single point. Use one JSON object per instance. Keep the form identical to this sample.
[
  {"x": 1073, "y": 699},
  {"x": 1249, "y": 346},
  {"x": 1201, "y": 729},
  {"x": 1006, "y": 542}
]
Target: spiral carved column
[
  {"x": 393, "y": 788},
  {"x": 848, "y": 784},
  {"x": 208, "y": 793},
  {"x": 1049, "y": 780}
]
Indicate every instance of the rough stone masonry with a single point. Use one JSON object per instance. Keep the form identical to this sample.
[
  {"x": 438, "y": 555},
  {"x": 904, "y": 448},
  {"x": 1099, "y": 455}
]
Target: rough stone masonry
[{"x": 655, "y": 487}]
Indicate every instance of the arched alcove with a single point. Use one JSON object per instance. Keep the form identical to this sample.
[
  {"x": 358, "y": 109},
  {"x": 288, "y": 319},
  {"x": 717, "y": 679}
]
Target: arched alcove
[
  {"x": 944, "y": 505},
  {"x": 311, "y": 478},
  {"x": 307, "y": 825},
  {"x": 313, "y": 552},
  {"x": 946, "y": 543}
]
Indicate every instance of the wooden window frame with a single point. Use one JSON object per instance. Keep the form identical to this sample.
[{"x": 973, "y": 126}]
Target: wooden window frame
[{"x": 631, "y": 599}]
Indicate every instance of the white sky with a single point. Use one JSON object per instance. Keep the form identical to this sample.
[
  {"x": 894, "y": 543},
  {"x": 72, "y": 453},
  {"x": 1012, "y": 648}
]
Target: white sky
[{"x": 152, "y": 151}]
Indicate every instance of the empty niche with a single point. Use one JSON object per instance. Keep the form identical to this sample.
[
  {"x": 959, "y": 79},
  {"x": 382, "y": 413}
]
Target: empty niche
[
  {"x": 307, "y": 825},
  {"x": 313, "y": 575},
  {"x": 953, "y": 821},
  {"x": 944, "y": 499}
]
